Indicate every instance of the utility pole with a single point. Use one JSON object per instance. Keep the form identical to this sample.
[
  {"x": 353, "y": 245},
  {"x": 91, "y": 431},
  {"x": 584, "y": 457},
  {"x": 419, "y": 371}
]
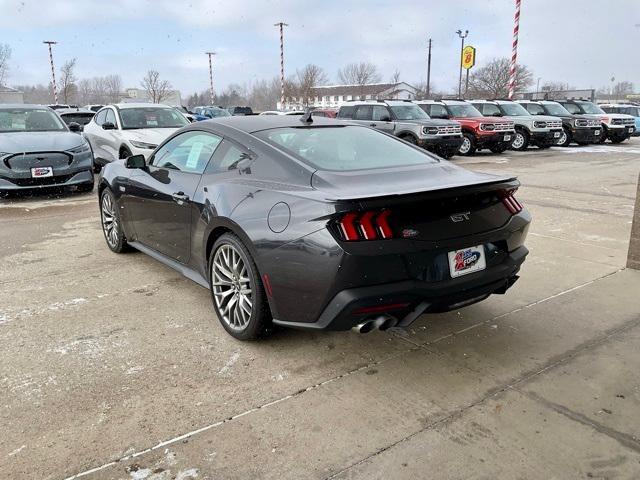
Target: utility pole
[
  {"x": 210, "y": 54},
  {"x": 53, "y": 70},
  {"x": 281, "y": 25},
  {"x": 462, "y": 37},
  {"x": 429, "y": 71}
]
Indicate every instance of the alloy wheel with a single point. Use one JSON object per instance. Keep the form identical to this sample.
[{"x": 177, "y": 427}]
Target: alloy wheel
[
  {"x": 518, "y": 142},
  {"x": 231, "y": 285},
  {"x": 562, "y": 139},
  {"x": 465, "y": 147},
  {"x": 109, "y": 220}
]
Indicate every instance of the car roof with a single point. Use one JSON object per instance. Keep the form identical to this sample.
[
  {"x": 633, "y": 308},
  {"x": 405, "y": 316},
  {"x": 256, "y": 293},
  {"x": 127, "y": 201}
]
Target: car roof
[
  {"x": 123, "y": 106},
  {"x": 255, "y": 123}
]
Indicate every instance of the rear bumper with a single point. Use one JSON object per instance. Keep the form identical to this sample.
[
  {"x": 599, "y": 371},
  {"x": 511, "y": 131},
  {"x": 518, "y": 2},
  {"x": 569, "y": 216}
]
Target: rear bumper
[{"x": 413, "y": 298}]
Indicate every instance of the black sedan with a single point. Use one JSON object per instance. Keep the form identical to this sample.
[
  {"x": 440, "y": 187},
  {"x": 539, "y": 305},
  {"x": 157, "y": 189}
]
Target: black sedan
[
  {"x": 37, "y": 150},
  {"x": 313, "y": 223}
]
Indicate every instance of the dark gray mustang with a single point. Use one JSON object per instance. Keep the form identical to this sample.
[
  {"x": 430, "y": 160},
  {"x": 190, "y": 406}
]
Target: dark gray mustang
[{"x": 313, "y": 223}]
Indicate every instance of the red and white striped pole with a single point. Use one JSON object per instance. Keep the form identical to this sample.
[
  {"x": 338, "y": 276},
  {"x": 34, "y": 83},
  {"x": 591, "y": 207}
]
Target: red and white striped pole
[
  {"x": 514, "y": 52},
  {"x": 53, "y": 71},
  {"x": 281, "y": 25},
  {"x": 210, "y": 78}
]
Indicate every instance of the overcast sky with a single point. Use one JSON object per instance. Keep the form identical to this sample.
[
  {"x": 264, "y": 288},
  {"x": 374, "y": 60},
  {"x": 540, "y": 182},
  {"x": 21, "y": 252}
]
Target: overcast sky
[{"x": 582, "y": 42}]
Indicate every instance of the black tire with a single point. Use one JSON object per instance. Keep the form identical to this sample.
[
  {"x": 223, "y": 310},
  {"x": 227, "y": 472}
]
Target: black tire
[
  {"x": 468, "y": 146},
  {"x": 520, "y": 141},
  {"x": 410, "y": 138},
  {"x": 566, "y": 139},
  {"x": 446, "y": 153},
  {"x": 260, "y": 320},
  {"x": 500, "y": 148},
  {"x": 618, "y": 138},
  {"x": 117, "y": 242},
  {"x": 124, "y": 153}
]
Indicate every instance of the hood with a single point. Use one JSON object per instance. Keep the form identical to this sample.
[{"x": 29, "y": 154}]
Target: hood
[
  {"x": 483, "y": 119},
  {"x": 154, "y": 136},
  {"x": 544, "y": 118},
  {"x": 20, "y": 142},
  {"x": 382, "y": 182},
  {"x": 622, "y": 116}
]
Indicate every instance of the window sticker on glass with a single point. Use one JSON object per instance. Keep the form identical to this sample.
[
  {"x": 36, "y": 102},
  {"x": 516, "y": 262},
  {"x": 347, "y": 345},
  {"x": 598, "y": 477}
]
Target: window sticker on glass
[{"x": 194, "y": 155}]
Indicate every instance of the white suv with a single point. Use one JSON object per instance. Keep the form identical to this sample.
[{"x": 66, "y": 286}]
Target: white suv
[{"x": 125, "y": 129}]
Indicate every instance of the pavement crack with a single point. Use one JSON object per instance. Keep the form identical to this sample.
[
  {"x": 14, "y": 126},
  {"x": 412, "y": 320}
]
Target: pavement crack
[{"x": 624, "y": 439}]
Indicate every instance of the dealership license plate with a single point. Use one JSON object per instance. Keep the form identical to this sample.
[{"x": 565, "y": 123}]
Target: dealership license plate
[
  {"x": 40, "y": 172},
  {"x": 507, "y": 138},
  {"x": 467, "y": 260},
  {"x": 556, "y": 135}
]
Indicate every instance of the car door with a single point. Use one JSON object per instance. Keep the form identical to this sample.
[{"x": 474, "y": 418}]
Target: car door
[
  {"x": 363, "y": 115},
  {"x": 111, "y": 135},
  {"x": 381, "y": 118},
  {"x": 160, "y": 204},
  {"x": 95, "y": 135}
]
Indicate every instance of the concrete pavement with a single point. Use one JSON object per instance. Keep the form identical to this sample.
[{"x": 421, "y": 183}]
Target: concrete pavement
[{"x": 114, "y": 367}]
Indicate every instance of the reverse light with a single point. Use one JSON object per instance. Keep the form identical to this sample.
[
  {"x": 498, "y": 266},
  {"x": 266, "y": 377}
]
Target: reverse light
[
  {"x": 510, "y": 202},
  {"x": 368, "y": 225}
]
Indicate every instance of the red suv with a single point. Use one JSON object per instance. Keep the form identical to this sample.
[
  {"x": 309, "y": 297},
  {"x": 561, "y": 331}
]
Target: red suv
[{"x": 479, "y": 132}]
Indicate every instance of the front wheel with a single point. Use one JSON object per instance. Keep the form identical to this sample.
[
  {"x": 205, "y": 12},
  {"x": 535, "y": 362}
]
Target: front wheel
[
  {"x": 111, "y": 224},
  {"x": 565, "y": 138},
  {"x": 468, "y": 145},
  {"x": 520, "y": 141},
  {"x": 237, "y": 291},
  {"x": 124, "y": 153}
]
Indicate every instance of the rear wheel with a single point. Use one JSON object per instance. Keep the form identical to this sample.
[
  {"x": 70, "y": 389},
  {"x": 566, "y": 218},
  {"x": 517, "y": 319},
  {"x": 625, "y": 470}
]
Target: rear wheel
[
  {"x": 565, "y": 138},
  {"x": 238, "y": 295},
  {"x": 111, "y": 224},
  {"x": 468, "y": 145}
]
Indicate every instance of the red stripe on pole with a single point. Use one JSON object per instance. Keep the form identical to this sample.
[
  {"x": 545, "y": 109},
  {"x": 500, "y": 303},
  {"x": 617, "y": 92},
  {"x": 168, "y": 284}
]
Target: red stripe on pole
[{"x": 514, "y": 52}]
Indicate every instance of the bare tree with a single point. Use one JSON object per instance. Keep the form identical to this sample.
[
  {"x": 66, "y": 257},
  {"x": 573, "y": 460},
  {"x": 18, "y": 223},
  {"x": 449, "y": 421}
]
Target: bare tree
[
  {"x": 309, "y": 77},
  {"x": 622, "y": 89},
  {"x": 395, "y": 79},
  {"x": 157, "y": 90},
  {"x": 492, "y": 80},
  {"x": 68, "y": 80},
  {"x": 361, "y": 74},
  {"x": 5, "y": 56},
  {"x": 85, "y": 91},
  {"x": 113, "y": 88}
]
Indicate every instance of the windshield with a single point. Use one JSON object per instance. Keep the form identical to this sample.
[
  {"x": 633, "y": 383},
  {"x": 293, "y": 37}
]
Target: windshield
[
  {"x": 588, "y": 107},
  {"x": 81, "y": 118},
  {"x": 151, "y": 117},
  {"x": 511, "y": 109},
  {"x": 556, "y": 109},
  {"x": 216, "y": 112},
  {"x": 409, "y": 112},
  {"x": 464, "y": 111},
  {"x": 30, "y": 120},
  {"x": 344, "y": 148}
]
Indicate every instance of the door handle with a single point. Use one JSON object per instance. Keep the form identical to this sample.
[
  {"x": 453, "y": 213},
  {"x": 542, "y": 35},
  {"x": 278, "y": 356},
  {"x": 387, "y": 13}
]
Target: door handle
[{"x": 180, "y": 197}]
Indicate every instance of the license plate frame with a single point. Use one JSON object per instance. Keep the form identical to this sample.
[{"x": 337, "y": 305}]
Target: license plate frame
[
  {"x": 41, "y": 172},
  {"x": 467, "y": 260}
]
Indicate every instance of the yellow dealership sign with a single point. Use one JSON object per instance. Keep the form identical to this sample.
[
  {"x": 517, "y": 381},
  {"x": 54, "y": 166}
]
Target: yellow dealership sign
[{"x": 468, "y": 57}]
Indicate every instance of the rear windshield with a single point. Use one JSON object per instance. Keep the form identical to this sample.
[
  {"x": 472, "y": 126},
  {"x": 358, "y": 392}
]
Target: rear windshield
[
  {"x": 81, "y": 118},
  {"x": 151, "y": 117},
  {"x": 344, "y": 148},
  {"x": 30, "y": 120}
]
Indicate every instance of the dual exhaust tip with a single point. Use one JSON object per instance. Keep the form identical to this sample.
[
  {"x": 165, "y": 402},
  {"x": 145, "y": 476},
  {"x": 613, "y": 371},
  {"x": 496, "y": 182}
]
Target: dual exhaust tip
[{"x": 380, "y": 322}]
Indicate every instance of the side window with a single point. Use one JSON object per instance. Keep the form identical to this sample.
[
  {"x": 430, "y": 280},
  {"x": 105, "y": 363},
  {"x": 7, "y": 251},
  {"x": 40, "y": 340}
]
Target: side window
[
  {"x": 572, "y": 108},
  {"x": 363, "y": 113},
  {"x": 100, "y": 116},
  {"x": 227, "y": 158},
  {"x": 346, "y": 111},
  {"x": 111, "y": 117},
  {"x": 379, "y": 112},
  {"x": 188, "y": 152},
  {"x": 490, "y": 109}
]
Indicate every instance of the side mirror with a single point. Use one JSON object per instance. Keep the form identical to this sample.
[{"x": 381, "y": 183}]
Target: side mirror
[
  {"x": 385, "y": 118},
  {"x": 108, "y": 126},
  {"x": 135, "y": 161},
  {"x": 75, "y": 127}
]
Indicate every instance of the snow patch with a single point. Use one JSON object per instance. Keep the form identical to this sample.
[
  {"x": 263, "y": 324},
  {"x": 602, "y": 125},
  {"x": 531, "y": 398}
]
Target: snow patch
[{"x": 230, "y": 363}]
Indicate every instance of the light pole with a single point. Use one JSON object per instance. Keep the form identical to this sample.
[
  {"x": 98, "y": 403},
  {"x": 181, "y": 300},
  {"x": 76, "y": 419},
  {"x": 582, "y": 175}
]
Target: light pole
[
  {"x": 53, "y": 70},
  {"x": 210, "y": 54},
  {"x": 538, "y": 87},
  {"x": 429, "y": 71},
  {"x": 281, "y": 25},
  {"x": 462, "y": 37}
]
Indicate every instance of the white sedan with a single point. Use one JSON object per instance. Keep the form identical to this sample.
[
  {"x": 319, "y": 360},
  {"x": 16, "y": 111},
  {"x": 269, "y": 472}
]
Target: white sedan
[{"x": 125, "y": 129}]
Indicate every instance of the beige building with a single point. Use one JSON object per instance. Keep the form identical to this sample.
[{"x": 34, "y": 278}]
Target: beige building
[{"x": 10, "y": 95}]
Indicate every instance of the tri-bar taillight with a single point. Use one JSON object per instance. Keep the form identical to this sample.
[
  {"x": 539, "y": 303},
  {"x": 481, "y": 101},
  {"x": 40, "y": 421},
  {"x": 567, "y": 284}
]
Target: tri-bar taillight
[
  {"x": 509, "y": 201},
  {"x": 367, "y": 225}
]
